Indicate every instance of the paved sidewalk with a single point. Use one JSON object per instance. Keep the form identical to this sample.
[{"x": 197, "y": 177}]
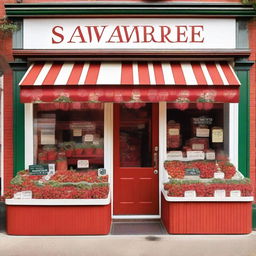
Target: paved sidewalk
[{"x": 196, "y": 245}]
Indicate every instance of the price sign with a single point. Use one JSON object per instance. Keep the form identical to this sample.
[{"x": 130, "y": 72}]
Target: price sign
[
  {"x": 192, "y": 172},
  {"x": 217, "y": 135},
  {"x": 174, "y": 131},
  {"x": 38, "y": 169},
  {"x": 202, "y": 132},
  {"x": 197, "y": 146},
  {"x": 88, "y": 138},
  {"x": 82, "y": 164},
  {"x": 174, "y": 155},
  {"x": 190, "y": 193},
  {"x": 210, "y": 155},
  {"x": 235, "y": 193},
  {"x": 77, "y": 132},
  {"x": 219, "y": 175},
  {"x": 26, "y": 194},
  {"x": 195, "y": 155},
  {"x": 219, "y": 193}
]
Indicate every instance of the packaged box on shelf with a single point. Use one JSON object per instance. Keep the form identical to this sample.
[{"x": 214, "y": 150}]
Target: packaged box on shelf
[
  {"x": 174, "y": 141},
  {"x": 202, "y": 132},
  {"x": 210, "y": 154},
  {"x": 199, "y": 143},
  {"x": 175, "y": 155},
  {"x": 195, "y": 155}
]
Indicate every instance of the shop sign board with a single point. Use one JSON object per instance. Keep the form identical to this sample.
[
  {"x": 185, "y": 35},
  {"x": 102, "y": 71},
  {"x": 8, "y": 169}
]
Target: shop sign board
[
  {"x": 38, "y": 169},
  {"x": 129, "y": 33}
]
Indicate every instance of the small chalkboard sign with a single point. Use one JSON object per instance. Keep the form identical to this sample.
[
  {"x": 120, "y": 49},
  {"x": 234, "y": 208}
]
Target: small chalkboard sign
[
  {"x": 38, "y": 169},
  {"x": 192, "y": 172}
]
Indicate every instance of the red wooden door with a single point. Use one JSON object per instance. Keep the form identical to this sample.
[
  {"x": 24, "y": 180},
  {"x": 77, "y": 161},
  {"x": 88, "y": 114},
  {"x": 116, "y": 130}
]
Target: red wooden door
[{"x": 136, "y": 179}]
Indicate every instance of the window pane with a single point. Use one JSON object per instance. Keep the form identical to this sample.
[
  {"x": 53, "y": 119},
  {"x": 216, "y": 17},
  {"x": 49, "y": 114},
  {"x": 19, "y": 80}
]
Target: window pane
[
  {"x": 135, "y": 136},
  {"x": 71, "y": 135}
]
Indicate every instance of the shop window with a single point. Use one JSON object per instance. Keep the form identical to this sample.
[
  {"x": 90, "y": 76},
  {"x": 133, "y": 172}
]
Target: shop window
[
  {"x": 135, "y": 135},
  {"x": 69, "y": 135},
  {"x": 196, "y": 133}
]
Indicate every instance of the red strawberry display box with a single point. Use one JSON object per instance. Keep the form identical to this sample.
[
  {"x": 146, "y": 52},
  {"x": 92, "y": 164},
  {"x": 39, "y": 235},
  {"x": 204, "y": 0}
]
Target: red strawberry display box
[
  {"x": 202, "y": 215},
  {"x": 58, "y": 216}
]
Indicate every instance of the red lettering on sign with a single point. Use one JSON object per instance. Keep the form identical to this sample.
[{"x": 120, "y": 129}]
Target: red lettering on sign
[
  {"x": 116, "y": 34},
  {"x": 182, "y": 32},
  {"x": 79, "y": 33},
  {"x": 129, "y": 36},
  {"x": 57, "y": 34},
  {"x": 165, "y": 32},
  {"x": 148, "y": 34},
  {"x": 96, "y": 31},
  {"x": 196, "y": 32}
]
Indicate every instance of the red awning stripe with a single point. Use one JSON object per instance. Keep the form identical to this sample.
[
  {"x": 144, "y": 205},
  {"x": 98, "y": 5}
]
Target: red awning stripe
[{"x": 130, "y": 73}]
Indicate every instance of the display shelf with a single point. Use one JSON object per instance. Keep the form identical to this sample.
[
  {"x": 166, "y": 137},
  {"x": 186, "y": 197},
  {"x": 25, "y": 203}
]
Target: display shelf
[{"x": 95, "y": 159}]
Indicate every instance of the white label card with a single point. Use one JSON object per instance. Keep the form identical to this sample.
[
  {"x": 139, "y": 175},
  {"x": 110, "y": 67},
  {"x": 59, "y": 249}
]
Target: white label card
[
  {"x": 88, "y": 138},
  {"x": 219, "y": 175},
  {"x": 217, "y": 135},
  {"x": 190, "y": 193},
  {"x": 26, "y": 194},
  {"x": 47, "y": 137},
  {"x": 77, "y": 132},
  {"x": 174, "y": 131},
  {"x": 235, "y": 193},
  {"x": 195, "y": 155},
  {"x": 210, "y": 155},
  {"x": 202, "y": 132},
  {"x": 82, "y": 163},
  {"x": 219, "y": 193},
  {"x": 197, "y": 146}
]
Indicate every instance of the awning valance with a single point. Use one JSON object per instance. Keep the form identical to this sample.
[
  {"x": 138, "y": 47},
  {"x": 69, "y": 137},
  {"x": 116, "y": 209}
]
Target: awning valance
[{"x": 129, "y": 82}]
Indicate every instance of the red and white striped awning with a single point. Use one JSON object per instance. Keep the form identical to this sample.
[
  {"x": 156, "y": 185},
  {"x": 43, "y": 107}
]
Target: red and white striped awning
[{"x": 129, "y": 81}]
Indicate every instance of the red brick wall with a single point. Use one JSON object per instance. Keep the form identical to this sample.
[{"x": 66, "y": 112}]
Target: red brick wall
[
  {"x": 5, "y": 57},
  {"x": 252, "y": 38}
]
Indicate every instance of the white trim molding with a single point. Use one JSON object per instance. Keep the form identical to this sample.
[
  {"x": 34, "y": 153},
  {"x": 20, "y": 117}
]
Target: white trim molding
[
  {"x": 29, "y": 135},
  {"x": 2, "y": 133},
  {"x": 56, "y": 202},
  {"x": 108, "y": 145},
  {"x": 233, "y": 133}
]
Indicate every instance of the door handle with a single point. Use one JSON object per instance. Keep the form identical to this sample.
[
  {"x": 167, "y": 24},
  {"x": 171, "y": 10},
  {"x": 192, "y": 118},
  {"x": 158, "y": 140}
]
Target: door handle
[
  {"x": 155, "y": 171},
  {"x": 155, "y": 160}
]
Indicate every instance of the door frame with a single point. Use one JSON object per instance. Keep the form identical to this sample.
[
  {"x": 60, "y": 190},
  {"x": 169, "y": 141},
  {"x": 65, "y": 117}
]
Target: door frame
[{"x": 156, "y": 139}]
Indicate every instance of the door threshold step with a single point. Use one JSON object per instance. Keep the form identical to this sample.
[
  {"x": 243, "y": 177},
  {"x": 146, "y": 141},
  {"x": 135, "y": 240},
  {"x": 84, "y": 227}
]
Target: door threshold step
[{"x": 138, "y": 227}]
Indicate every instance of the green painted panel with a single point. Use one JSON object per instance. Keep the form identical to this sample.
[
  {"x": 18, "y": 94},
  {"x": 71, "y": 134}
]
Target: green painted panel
[
  {"x": 18, "y": 124},
  {"x": 34, "y": 12},
  {"x": 244, "y": 124}
]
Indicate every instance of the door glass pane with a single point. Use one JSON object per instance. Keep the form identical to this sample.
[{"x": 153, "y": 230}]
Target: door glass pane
[{"x": 135, "y": 135}]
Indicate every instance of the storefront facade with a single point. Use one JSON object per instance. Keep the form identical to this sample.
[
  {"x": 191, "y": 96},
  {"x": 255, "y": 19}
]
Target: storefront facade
[{"x": 155, "y": 82}]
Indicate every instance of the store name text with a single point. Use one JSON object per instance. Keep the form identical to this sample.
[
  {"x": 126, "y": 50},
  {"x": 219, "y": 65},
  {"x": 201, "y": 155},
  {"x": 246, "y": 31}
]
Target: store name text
[{"x": 128, "y": 34}]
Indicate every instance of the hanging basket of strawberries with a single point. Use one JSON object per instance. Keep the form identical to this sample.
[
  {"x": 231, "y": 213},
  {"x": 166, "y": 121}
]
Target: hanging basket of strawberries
[
  {"x": 205, "y": 101},
  {"x": 181, "y": 103}
]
